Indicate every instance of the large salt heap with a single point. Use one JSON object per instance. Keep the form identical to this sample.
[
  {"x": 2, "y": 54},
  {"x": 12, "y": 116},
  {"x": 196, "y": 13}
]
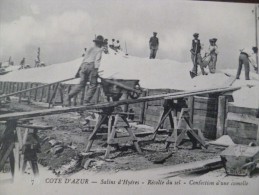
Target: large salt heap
[{"x": 153, "y": 74}]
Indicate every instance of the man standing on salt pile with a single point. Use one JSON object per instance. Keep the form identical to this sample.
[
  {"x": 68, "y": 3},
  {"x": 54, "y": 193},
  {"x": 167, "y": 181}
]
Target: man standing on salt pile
[
  {"x": 213, "y": 52},
  {"x": 153, "y": 45},
  {"x": 247, "y": 56},
  {"x": 117, "y": 45},
  {"x": 88, "y": 71},
  {"x": 22, "y": 63},
  {"x": 112, "y": 44},
  {"x": 196, "y": 56}
]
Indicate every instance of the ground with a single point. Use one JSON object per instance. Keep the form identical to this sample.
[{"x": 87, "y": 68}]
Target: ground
[{"x": 62, "y": 147}]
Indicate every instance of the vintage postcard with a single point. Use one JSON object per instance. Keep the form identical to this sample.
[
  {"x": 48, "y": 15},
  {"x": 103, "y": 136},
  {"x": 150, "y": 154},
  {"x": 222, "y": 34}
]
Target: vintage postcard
[{"x": 129, "y": 97}]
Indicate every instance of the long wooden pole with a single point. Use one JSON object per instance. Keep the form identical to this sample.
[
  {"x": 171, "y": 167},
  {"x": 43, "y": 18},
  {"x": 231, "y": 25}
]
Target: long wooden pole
[
  {"x": 19, "y": 115},
  {"x": 256, "y": 37}
]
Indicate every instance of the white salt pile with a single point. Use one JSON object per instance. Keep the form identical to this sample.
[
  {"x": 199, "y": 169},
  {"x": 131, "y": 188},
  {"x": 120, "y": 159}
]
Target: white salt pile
[
  {"x": 224, "y": 140},
  {"x": 153, "y": 74}
]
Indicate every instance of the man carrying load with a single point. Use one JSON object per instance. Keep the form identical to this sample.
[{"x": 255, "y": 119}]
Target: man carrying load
[{"x": 88, "y": 71}]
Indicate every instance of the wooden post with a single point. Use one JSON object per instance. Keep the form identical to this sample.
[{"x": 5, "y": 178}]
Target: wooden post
[
  {"x": 82, "y": 97},
  {"x": 48, "y": 94},
  {"x": 53, "y": 97},
  {"x": 144, "y": 108},
  {"x": 191, "y": 107},
  {"x": 20, "y": 94},
  {"x": 36, "y": 92},
  {"x": 8, "y": 87},
  {"x": 42, "y": 94},
  {"x": 98, "y": 91},
  {"x": 30, "y": 93},
  {"x": 4, "y": 87},
  {"x": 222, "y": 103}
]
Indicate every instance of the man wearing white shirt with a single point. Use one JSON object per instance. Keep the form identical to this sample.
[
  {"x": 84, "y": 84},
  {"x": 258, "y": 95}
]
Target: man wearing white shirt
[
  {"x": 213, "y": 52},
  {"x": 89, "y": 70},
  {"x": 246, "y": 57}
]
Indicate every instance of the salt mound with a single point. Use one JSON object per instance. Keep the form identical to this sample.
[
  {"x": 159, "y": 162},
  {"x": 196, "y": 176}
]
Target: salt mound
[
  {"x": 152, "y": 73},
  {"x": 224, "y": 140},
  {"x": 247, "y": 96}
]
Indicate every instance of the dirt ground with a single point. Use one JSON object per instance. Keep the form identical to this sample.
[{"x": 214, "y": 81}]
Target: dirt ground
[{"x": 62, "y": 147}]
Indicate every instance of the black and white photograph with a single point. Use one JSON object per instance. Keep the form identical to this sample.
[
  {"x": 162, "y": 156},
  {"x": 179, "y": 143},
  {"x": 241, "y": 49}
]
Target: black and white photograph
[{"x": 129, "y": 97}]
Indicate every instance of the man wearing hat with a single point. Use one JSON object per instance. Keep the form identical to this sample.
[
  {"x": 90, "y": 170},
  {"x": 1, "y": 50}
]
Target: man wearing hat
[
  {"x": 153, "y": 45},
  {"x": 213, "y": 53},
  {"x": 196, "y": 56},
  {"x": 88, "y": 70},
  {"x": 246, "y": 57}
]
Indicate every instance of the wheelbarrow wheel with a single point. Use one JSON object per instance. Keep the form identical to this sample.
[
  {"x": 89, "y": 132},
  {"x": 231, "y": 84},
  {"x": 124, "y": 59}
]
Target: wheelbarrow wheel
[{"x": 133, "y": 94}]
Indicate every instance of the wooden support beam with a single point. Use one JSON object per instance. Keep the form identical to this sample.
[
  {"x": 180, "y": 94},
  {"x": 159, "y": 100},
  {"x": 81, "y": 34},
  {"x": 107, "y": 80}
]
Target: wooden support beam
[
  {"x": 143, "y": 109},
  {"x": 42, "y": 94},
  {"x": 245, "y": 118},
  {"x": 222, "y": 103},
  {"x": 53, "y": 97},
  {"x": 36, "y": 92},
  {"x": 191, "y": 107},
  {"x": 177, "y": 95},
  {"x": 48, "y": 94}
]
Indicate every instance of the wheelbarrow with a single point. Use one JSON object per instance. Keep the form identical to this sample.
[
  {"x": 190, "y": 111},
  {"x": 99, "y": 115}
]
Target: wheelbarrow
[
  {"x": 114, "y": 88},
  {"x": 240, "y": 160}
]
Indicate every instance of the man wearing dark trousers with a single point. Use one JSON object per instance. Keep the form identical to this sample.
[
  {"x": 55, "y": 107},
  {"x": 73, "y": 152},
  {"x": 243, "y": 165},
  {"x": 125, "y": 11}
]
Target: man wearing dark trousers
[
  {"x": 153, "y": 45},
  {"x": 89, "y": 71},
  {"x": 246, "y": 58},
  {"x": 196, "y": 56}
]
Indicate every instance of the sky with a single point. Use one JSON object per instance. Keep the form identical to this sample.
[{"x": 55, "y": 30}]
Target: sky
[{"x": 62, "y": 28}]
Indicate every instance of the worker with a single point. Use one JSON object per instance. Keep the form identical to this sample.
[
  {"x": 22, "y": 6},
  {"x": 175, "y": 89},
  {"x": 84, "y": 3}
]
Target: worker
[
  {"x": 153, "y": 45},
  {"x": 88, "y": 71},
  {"x": 84, "y": 52},
  {"x": 112, "y": 44},
  {"x": 247, "y": 57},
  {"x": 105, "y": 46},
  {"x": 196, "y": 56},
  {"x": 213, "y": 52},
  {"x": 117, "y": 45},
  {"x": 22, "y": 63}
]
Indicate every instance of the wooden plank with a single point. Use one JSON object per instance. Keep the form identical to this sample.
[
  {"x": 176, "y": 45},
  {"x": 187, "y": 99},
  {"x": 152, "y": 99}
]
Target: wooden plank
[
  {"x": 20, "y": 94},
  {"x": 242, "y": 118},
  {"x": 36, "y": 92},
  {"x": 6, "y": 155},
  {"x": 206, "y": 100},
  {"x": 242, "y": 133},
  {"x": 205, "y": 113},
  {"x": 143, "y": 109},
  {"x": 111, "y": 104},
  {"x": 48, "y": 94},
  {"x": 222, "y": 103},
  {"x": 7, "y": 87},
  {"x": 249, "y": 111},
  {"x": 204, "y": 119},
  {"x": 42, "y": 94},
  {"x": 205, "y": 106},
  {"x": 191, "y": 108},
  {"x": 4, "y": 88},
  {"x": 38, "y": 127},
  {"x": 30, "y": 93},
  {"x": 241, "y": 125}
]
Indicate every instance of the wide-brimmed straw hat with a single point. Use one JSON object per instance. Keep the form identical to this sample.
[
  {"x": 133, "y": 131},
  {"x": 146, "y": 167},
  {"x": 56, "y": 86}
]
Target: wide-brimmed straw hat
[{"x": 98, "y": 39}]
